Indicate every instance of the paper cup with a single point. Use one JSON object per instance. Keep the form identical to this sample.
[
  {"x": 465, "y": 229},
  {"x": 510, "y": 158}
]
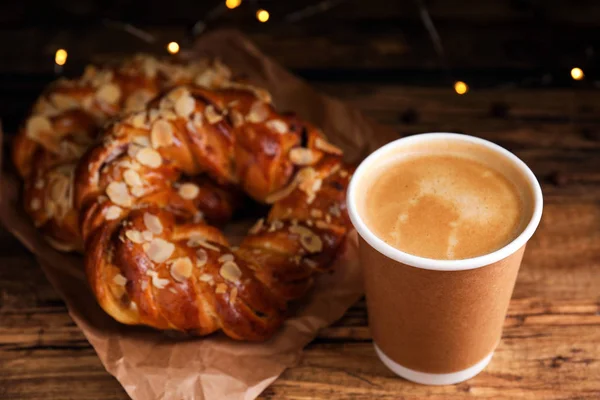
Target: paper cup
[{"x": 438, "y": 322}]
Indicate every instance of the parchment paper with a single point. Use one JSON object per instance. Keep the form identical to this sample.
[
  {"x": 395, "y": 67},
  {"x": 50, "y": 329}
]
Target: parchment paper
[{"x": 154, "y": 365}]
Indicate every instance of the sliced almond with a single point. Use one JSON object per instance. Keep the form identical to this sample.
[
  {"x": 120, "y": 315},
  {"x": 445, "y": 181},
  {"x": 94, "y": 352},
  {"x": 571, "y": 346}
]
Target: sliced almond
[
  {"x": 233, "y": 295},
  {"x": 335, "y": 210},
  {"x": 141, "y": 141},
  {"x": 196, "y": 241},
  {"x": 258, "y": 113},
  {"x": 276, "y": 225},
  {"x": 181, "y": 269},
  {"x": 138, "y": 191},
  {"x": 230, "y": 271},
  {"x": 185, "y": 105},
  {"x": 311, "y": 263},
  {"x": 205, "y": 278},
  {"x": 38, "y": 126},
  {"x": 343, "y": 173},
  {"x": 211, "y": 114},
  {"x": 138, "y": 100},
  {"x": 308, "y": 239},
  {"x": 257, "y": 227},
  {"x": 206, "y": 78},
  {"x": 113, "y": 212},
  {"x": 147, "y": 236},
  {"x": 120, "y": 280},
  {"x": 201, "y": 258},
  {"x": 221, "y": 288},
  {"x": 316, "y": 213},
  {"x": 160, "y": 250},
  {"x": 117, "y": 193},
  {"x": 189, "y": 191},
  {"x": 132, "y": 178},
  {"x": 134, "y": 236},
  {"x": 226, "y": 257},
  {"x": 303, "y": 157},
  {"x": 327, "y": 147},
  {"x": 153, "y": 223},
  {"x": 278, "y": 126},
  {"x": 237, "y": 119},
  {"x": 283, "y": 193},
  {"x": 149, "y": 157},
  {"x": 162, "y": 134},
  {"x": 109, "y": 93}
]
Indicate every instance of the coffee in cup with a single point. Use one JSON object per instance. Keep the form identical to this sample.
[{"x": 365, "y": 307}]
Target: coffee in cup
[{"x": 443, "y": 221}]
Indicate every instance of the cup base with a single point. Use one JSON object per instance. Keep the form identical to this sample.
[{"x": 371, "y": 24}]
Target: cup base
[{"x": 433, "y": 379}]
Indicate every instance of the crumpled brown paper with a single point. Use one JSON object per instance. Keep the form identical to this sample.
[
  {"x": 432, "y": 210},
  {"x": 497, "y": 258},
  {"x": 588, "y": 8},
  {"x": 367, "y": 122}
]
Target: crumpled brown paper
[{"x": 155, "y": 365}]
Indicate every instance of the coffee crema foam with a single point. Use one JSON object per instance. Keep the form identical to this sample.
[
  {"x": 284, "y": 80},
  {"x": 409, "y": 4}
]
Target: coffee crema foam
[{"x": 443, "y": 206}]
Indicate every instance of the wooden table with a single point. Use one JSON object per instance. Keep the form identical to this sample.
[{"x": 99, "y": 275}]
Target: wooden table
[{"x": 551, "y": 342}]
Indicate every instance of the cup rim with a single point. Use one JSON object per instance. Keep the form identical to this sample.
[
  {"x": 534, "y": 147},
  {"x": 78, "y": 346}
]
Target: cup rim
[{"x": 444, "y": 265}]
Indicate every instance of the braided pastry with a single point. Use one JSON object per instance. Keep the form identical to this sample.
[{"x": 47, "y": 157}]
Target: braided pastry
[
  {"x": 139, "y": 190},
  {"x": 65, "y": 121}
]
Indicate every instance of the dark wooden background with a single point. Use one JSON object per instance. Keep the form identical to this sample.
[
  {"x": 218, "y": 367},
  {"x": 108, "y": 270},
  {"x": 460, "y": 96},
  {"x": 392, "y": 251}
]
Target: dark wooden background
[{"x": 514, "y": 54}]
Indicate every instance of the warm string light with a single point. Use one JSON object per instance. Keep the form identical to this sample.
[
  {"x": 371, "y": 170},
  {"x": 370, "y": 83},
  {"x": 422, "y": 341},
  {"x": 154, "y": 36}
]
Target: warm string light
[
  {"x": 577, "y": 74},
  {"x": 231, "y": 4},
  {"x": 173, "y": 48},
  {"x": 60, "y": 58},
  {"x": 460, "y": 87},
  {"x": 262, "y": 15}
]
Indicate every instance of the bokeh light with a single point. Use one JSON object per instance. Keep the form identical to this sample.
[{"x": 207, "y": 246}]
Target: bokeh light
[
  {"x": 577, "y": 74},
  {"x": 460, "y": 87},
  {"x": 231, "y": 4},
  {"x": 262, "y": 15},
  {"x": 173, "y": 47},
  {"x": 60, "y": 58}
]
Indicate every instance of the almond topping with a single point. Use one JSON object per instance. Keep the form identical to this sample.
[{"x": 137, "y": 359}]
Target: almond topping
[
  {"x": 134, "y": 236},
  {"x": 311, "y": 263},
  {"x": 37, "y": 126},
  {"x": 233, "y": 295},
  {"x": 327, "y": 147},
  {"x": 226, "y": 257},
  {"x": 343, "y": 173},
  {"x": 316, "y": 213},
  {"x": 137, "y": 191},
  {"x": 300, "y": 156},
  {"x": 112, "y": 213},
  {"x": 109, "y": 93},
  {"x": 117, "y": 192},
  {"x": 141, "y": 141},
  {"x": 308, "y": 239},
  {"x": 201, "y": 258},
  {"x": 147, "y": 236},
  {"x": 132, "y": 178},
  {"x": 275, "y": 225},
  {"x": 205, "y": 277},
  {"x": 258, "y": 112},
  {"x": 211, "y": 114},
  {"x": 278, "y": 126},
  {"x": 185, "y": 105},
  {"x": 221, "y": 288},
  {"x": 160, "y": 250},
  {"x": 149, "y": 157},
  {"x": 120, "y": 280},
  {"x": 257, "y": 226},
  {"x": 153, "y": 223},
  {"x": 181, "y": 269},
  {"x": 189, "y": 191},
  {"x": 230, "y": 271},
  {"x": 162, "y": 134},
  {"x": 335, "y": 210},
  {"x": 237, "y": 119},
  {"x": 196, "y": 241},
  {"x": 157, "y": 282},
  {"x": 138, "y": 120},
  {"x": 138, "y": 100}
]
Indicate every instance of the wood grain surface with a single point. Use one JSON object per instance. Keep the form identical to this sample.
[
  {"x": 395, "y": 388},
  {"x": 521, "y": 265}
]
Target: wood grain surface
[
  {"x": 551, "y": 342},
  {"x": 377, "y": 58}
]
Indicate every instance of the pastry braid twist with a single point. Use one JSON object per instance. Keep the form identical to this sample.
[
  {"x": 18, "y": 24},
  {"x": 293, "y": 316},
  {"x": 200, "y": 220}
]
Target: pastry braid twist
[
  {"x": 150, "y": 262},
  {"x": 65, "y": 121}
]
